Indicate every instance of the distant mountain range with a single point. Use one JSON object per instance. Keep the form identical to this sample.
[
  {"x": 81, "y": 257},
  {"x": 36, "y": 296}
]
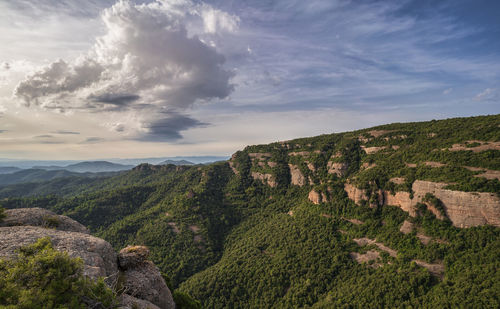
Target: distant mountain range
[
  {"x": 10, "y": 175},
  {"x": 38, "y": 175},
  {"x": 128, "y": 163},
  {"x": 88, "y": 167},
  {"x": 14, "y": 175},
  {"x": 159, "y": 161},
  {"x": 8, "y": 169},
  {"x": 176, "y": 162}
]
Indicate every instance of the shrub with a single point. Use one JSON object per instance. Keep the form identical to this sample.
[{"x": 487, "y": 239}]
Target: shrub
[{"x": 42, "y": 277}]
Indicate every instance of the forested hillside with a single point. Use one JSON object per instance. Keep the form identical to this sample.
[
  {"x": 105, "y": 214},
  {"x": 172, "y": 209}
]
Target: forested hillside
[{"x": 392, "y": 216}]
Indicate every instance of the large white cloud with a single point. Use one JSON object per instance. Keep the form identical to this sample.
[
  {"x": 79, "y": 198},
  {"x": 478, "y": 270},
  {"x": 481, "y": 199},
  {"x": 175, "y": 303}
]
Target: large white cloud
[{"x": 146, "y": 64}]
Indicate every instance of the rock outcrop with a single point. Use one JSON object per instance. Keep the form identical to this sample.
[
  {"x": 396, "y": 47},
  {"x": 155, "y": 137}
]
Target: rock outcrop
[
  {"x": 486, "y": 173},
  {"x": 317, "y": 197},
  {"x": 337, "y": 168},
  {"x": 141, "y": 278},
  {"x": 98, "y": 256},
  {"x": 354, "y": 193},
  {"x": 407, "y": 227},
  {"x": 398, "y": 180},
  {"x": 314, "y": 196},
  {"x": 482, "y": 146},
  {"x": 297, "y": 178},
  {"x": 464, "y": 209},
  {"x": 370, "y": 150},
  {"x": 232, "y": 165},
  {"x": 265, "y": 179},
  {"x": 142, "y": 284},
  {"x": 130, "y": 302},
  {"x": 43, "y": 218},
  {"x": 401, "y": 199}
]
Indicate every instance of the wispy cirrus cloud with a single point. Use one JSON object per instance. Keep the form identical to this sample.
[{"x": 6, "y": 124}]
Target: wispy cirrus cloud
[
  {"x": 44, "y": 136},
  {"x": 92, "y": 140},
  {"x": 488, "y": 94},
  {"x": 377, "y": 54},
  {"x": 65, "y": 132}
]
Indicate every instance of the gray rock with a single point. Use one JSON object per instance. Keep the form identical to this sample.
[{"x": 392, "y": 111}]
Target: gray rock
[
  {"x": 130, "y": 302},
  {"x": 132, "y": 257},
  {"x": 142, "y": 279},
  {"x": 41, "y": 217},
  {"x": 98, "y": 256}
]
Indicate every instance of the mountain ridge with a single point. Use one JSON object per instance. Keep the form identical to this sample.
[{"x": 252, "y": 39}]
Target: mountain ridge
[{"x": 88, "y": 167}]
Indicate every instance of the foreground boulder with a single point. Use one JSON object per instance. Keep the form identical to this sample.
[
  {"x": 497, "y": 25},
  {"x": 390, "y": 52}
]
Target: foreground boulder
[
  {"x": 141, "y": 278},
  {"x": 137, "y": 278},
  {"x": 98, "y": 256},
  {"x": 43, "y": 218}
]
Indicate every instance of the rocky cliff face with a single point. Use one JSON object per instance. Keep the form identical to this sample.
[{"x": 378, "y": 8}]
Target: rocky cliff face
[
  {"x": 337, "y": 168},
  {"x": 366, "y": 158},
  {"x": 265, "y": 178},
  {"x": 355, "y": 194},
  {"x": 296, "y": 176},
  {"x": 142, "y": 283},
  {"x": 464, "y": 209}
]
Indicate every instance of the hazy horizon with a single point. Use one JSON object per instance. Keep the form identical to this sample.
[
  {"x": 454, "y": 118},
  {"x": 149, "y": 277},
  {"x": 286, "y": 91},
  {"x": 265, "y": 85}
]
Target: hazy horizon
[{"x": 141, "y": 79}]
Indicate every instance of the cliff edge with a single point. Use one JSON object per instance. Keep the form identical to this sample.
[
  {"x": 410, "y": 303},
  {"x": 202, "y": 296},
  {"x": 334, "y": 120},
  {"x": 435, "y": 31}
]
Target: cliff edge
[{"x": 139, "y": 284}]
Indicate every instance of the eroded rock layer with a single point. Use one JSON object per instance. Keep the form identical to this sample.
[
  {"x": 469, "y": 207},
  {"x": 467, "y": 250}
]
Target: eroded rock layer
[{"x": 464, "y": 209}]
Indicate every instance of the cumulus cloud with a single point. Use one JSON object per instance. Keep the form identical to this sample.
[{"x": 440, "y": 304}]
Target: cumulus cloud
[
  {"x": 146, "y": 62},
  {"x": 57, "y": 80},
  {"x": 216, "y": 20}
]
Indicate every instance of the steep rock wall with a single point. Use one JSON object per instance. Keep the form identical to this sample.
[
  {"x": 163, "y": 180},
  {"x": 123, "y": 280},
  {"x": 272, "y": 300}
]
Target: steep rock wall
[
  {"x": 296, "y": 176},
  {"x": 355, "y": 194},
  {"x": 337, "y": 168},
  {"x": 265, "y": 178},
  {"x": 464, "y": 209}
]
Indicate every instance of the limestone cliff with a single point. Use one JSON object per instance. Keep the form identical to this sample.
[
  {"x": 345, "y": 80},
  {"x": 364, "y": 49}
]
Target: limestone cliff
[
  {"x": 464, "y": 209},
  {"x": 380, "y": 158},
  {"x": 297, "y": 178}
]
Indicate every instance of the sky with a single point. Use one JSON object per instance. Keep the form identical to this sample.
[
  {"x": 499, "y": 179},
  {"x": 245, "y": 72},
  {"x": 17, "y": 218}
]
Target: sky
[{"x": 127, "y": 79}]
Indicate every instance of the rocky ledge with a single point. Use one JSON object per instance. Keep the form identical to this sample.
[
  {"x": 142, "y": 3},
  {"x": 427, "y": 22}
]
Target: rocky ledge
[
  {"x": 43, "y": 218},
  {"x": 137, "y": 278}
]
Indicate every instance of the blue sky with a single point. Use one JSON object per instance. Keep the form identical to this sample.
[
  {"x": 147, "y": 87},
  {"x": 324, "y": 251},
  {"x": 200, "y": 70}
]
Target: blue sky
[{"x": 183, "y": 77}]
